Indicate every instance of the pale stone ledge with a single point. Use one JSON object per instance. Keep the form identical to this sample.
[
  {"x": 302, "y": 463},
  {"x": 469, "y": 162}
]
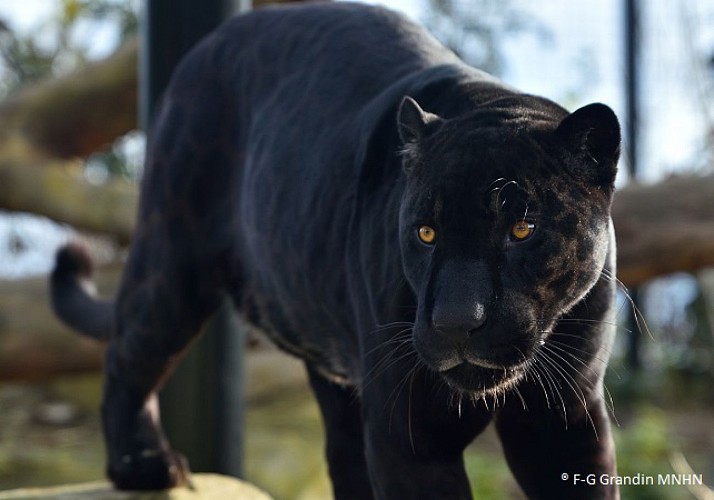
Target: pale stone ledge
[{"x": 205, "y": 486}]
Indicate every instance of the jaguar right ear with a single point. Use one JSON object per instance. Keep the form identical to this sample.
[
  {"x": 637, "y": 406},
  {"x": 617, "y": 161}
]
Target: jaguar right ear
[
  {"x": 592, "y": 137},
  {"x": 412, "y": 121}
]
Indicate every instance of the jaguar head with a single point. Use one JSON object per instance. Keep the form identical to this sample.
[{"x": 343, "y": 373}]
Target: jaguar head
[{"x": 504, "y": 227}]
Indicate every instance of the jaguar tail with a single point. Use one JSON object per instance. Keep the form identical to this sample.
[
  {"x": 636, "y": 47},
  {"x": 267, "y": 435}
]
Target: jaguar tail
[{"x": 72, "y": 294}]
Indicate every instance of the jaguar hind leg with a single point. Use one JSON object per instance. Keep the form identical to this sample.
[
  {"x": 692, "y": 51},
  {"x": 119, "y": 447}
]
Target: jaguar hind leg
[
  {"x": 140, "y": 457},
  {"x": 166, "y": 296}
]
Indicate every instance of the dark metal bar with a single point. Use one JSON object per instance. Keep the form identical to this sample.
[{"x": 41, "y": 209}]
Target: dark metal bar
[
  {"x": 632, "y": 41},
  {"x": 202, "y": 404},
  {"x": 170, "y": 28},
  {"x": 632, "y": 80}
]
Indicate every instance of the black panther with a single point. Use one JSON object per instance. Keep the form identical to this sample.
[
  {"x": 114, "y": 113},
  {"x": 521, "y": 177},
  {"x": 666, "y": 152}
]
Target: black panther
[{"x": 435, "y": 245}]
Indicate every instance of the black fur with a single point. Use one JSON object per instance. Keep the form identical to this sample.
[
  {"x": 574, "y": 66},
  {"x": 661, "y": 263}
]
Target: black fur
[
  {"x": 72, "y": 294},
  {"x": 288, "y": 168}
]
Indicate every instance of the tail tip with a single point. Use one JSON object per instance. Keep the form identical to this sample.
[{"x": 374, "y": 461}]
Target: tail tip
[{"x": 73, "y": 260}]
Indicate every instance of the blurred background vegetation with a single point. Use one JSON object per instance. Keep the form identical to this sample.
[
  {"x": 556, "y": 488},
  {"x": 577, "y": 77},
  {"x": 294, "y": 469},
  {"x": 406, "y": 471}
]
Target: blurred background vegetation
[{"x": 49, "y": 379}]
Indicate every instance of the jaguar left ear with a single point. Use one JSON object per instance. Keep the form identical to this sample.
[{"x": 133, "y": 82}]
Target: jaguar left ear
[
  {"x": 592, "y": 139},
  {"x": 412, "y": 120}
]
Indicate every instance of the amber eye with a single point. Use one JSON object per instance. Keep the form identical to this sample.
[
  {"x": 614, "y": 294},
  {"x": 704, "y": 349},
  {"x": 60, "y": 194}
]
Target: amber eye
[
  {"x": 427, "y": 235},
  {"x": 522, "y": 230}
]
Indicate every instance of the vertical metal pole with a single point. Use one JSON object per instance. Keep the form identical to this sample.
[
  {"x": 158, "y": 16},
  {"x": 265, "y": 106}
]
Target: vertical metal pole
[
  {"x": 170, "y": 28},
  {"x": 230, "y": 337},
  {"x": 632, "y": 59},
  {"x": 201, "y": 405},
  {"x": 632, "y": 38}
]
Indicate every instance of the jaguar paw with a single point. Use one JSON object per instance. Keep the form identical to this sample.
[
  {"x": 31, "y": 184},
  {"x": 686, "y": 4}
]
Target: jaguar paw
[{"x": 150, "y": 470}]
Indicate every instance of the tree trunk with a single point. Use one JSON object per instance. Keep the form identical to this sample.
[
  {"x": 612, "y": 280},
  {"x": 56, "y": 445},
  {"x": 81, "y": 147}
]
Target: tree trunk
[
  {"x": 47, "y": 127},
  {"x": 661, "y": 228},
  {"x": 664, "y": 228},
  {"x": 57, "y": 189}
]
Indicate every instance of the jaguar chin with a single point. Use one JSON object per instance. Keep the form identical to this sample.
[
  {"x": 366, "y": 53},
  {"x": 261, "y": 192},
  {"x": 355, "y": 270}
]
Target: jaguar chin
[{"x": 478, "y": 382}]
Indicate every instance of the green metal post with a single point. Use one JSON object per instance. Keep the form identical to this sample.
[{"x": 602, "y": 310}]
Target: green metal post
[{"x": 201, "y": 404}]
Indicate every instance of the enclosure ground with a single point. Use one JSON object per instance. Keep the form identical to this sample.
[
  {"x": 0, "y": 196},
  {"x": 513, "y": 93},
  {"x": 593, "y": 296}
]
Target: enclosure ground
[{"x": 50, "y": 434}]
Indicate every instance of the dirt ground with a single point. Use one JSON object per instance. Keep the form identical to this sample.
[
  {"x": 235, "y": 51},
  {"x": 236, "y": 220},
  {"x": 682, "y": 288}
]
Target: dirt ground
[{"x": 50, "y": 434}]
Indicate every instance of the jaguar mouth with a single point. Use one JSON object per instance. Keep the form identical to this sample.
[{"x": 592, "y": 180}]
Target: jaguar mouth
[{"x": 484, "y": 378}]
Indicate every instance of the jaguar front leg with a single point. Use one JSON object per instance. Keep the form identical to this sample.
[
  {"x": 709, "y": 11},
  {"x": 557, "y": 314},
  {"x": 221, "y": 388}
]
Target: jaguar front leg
[
  {"x": 415, "y": 436},
  {"x": 556, "y": 453},
  {"x": 342, "y": 416}
]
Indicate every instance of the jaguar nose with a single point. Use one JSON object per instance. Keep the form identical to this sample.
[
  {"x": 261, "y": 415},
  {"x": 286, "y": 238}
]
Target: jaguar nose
[{"x": 458, "y": 325}]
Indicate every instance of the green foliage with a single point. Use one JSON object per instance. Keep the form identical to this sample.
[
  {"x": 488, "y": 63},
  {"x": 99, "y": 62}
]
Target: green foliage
[
  {"x": 62, "y": 43},
  {"x": 58, "y": 45},
  {"x": 645, "y": 446},
  {"x": 124, "y": 158},
  {"x": 488, "y": 473},
  {"x": 121, "y": 12},
  {"x": 34, "y": 452}
]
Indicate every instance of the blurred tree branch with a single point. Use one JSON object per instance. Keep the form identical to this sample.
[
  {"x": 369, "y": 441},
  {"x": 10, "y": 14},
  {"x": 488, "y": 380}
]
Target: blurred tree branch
[
  {"x": 57, "y": 189},
  {"x": 75, "y": 115},
  {"x": 47, "y": 128},
  {"x": 663, "y": 228}
]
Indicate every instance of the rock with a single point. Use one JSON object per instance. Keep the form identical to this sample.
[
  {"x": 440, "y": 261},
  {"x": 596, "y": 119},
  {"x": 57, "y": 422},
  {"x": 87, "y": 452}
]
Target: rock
[{"x": 205, "y": 487}]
